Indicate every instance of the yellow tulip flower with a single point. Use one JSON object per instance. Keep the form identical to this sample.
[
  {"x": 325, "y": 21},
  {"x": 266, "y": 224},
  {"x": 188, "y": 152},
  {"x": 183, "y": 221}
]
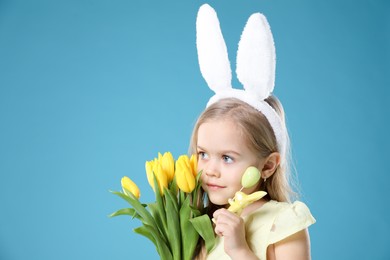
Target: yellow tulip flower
[
  {"x": 194, "y": 164},
  {"x": 168, "y": 165},
  {"x": 149, "y": 172},
  {"x": 129, "y": 186},
  {"x": 154, "y": 167},
  {"x": 184, "y": 177},
  {"x": 162, "y": 178}
]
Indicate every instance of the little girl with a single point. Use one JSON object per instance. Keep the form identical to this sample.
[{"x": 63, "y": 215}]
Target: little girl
[{"x": 242, "y": 128}]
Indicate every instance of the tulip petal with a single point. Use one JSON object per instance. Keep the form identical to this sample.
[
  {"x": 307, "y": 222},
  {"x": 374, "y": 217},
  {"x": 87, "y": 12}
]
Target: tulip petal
[
  {"x": 130, "y": 186},
  {"x": 149, "y": 165},
  {"x": 168, "y": 165},
  {"x": 184, "y": 176},
  {"x": 161, "y": 177},
  {"x": 194, "y": 164}
]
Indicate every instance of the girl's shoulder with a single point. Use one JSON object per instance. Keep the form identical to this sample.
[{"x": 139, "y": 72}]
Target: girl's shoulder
[
  {"x": 280, "y": 219},
  {"x": 274, "y": 208}
]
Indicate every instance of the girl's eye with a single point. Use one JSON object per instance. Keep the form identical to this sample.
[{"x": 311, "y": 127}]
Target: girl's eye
[
  {"x": 227, "y": 159},
  {"x": 203, "y": 155}
]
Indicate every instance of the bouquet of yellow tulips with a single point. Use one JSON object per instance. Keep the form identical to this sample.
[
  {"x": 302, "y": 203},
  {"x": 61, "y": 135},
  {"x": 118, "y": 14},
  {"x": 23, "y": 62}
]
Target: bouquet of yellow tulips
[{"x": 177, "y": 219}]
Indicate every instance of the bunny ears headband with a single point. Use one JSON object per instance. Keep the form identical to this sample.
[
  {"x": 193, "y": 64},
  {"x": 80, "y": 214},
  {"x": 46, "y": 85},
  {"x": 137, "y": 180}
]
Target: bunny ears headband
[{"x": 255, "y": 65}]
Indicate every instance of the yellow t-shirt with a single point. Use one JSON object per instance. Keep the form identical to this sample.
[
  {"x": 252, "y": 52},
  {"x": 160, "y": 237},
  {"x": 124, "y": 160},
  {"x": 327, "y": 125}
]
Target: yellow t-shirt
[{"x": 269, "y": 224}]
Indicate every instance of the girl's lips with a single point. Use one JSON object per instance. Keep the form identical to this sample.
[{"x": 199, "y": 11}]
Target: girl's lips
[{"x": 212, "y": 186}]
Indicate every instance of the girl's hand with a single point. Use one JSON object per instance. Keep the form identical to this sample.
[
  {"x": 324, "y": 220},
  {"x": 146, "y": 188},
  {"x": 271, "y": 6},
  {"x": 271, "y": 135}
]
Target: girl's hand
[{"x": 232, "y": 228}]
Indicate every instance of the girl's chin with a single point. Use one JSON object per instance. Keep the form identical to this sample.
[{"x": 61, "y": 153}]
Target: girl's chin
[{"x": 218, "y": 201}]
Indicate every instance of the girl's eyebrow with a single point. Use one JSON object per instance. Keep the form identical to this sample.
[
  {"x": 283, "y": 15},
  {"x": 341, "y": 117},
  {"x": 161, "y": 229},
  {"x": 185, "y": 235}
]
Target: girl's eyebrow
[
  {"x": 223, "y": 152},
  {"x": 200, "y": 148},
  {"x": 232, "y": 152}
]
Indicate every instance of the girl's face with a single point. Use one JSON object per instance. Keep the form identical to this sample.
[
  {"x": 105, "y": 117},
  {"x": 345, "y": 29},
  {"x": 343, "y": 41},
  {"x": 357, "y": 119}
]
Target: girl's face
[{"x": 223, "y": 155}]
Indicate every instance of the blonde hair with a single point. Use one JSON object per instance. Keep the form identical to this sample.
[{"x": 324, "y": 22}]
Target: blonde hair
[{"x": 260, "y": 139}]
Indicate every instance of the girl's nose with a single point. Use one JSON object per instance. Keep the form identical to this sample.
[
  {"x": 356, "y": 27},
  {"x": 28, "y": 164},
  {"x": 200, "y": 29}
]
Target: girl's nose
[{"x": 212, "y": 169}]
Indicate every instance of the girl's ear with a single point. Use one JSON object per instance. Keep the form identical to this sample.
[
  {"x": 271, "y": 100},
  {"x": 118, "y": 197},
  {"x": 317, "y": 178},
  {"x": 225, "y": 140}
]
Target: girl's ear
[{"x": 270, "y": 165}]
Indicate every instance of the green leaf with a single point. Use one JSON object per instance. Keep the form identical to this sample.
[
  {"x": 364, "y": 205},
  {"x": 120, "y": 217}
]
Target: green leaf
[
  {"x": 150, "y": 229},
  {"x": 182, "y": 196},
  {"x": 145, "y": 216},
  {"x": 173, "y": 224},
  {"x": 173, "y": 186},
  {"x": 188, "y": 233},
  {"x": 146, "y": 232},
  {"x": 198, "y": 180},
  {"x": 173, "y": 199},
  {"x": 163, "y": 250},
  {"x": 195, "y": 212},
  {"x": 126, "y": 211},
  {"x": 196, "y": 193},
  {"x": 160, "y": 203},
  {"x": 203, "y": 226},
  {"x": 153, "y": 207},
  {"x": 153, "y": 235}
]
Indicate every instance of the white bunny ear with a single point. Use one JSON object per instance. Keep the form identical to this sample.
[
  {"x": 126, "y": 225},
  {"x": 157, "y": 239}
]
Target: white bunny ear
[
  {"x": 212, "y": 53},
  {"x": 256, "y": 57}
]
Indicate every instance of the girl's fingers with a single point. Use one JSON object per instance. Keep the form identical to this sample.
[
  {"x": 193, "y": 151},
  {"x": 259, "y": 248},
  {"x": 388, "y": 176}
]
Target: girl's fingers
[
  {"x": 227, "y": 223},
  {"x": 223, "y": 215},
  {"x": 224, "y": 229},
  {"x": 220, "y": 230}
]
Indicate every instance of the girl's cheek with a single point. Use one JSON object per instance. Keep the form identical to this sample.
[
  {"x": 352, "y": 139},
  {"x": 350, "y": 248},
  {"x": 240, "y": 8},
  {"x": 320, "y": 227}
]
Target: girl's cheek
[
  {"x": 200, "y": 167},
  {"x": 202, "y": 177}
]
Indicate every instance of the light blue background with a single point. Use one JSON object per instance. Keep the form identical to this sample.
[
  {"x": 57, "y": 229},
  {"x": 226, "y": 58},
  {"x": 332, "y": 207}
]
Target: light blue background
[{"x": 90, "y": 89}]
